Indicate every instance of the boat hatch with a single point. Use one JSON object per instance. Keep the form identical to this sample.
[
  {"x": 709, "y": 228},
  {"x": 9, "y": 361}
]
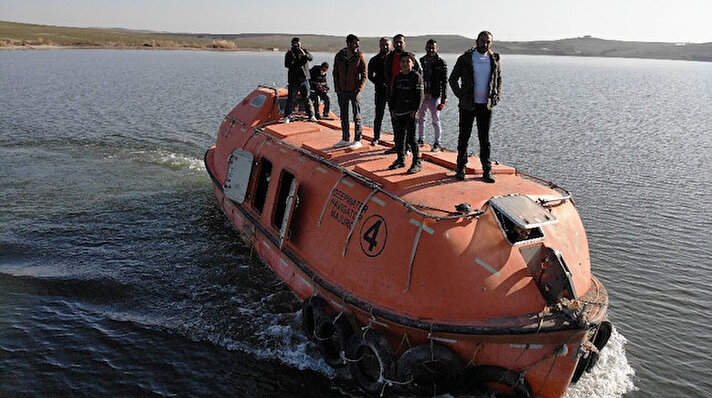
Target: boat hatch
[
  {"x": 520, "y": 217},
  {"x": 550, "y": 272},
  {"x": 239, "y": 168}
]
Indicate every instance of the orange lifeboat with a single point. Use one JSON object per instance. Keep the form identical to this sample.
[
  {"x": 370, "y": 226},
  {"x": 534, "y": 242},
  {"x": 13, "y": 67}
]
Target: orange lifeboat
[{"x": 418, "y": 282}]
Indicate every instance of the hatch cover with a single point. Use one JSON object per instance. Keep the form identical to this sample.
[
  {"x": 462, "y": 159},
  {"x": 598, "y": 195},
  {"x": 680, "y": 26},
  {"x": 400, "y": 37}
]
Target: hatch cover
[
  {"x": 239, "y": 169},
  {"x": 522, "y": 211}
]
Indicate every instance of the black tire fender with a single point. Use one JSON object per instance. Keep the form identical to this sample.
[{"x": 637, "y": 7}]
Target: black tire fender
[
  {"x": 480, "y": 376},
  {"x": 313, "y": 312},
  {"x": 332, "y": 335},
  {"x": 429, "y": 368},
  {"x": 600, "y": 339},
  {"x": 370, "y": 360}
]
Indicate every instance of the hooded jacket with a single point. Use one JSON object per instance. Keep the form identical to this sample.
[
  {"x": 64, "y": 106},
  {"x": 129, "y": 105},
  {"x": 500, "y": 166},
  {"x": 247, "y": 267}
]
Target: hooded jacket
[
  {"x": 464, "y": 70},
  {"x": 349, "y": 71},
  {"x": 298, "y": 66}
]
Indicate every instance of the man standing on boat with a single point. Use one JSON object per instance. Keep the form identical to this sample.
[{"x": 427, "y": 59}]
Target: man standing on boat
[
  {"x": 435, "y": 86},
  {"x": 475, "y": 80},
  {"x": 391, "y": 69},
  {"x": 349, "y": 81},
  {"x": 319, "y": 88},
  {"x": 297, "y": 63},
  {"x": 377, "y": 77}
]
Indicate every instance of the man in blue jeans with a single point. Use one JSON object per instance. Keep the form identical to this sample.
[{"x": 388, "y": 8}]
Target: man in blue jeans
[
  {"x": 435, "y": 88},
  {"x": 476, "y": 80},
  {"x": 296, "y": 60}
]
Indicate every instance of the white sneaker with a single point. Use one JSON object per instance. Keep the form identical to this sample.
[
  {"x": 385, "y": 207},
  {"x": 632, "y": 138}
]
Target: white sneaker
[
  {"x": 355, "y": 145},
  {"x": 342, "y": 143},
  {"x": 313, "y": 119},
  {"x": 286, "y": 120}
]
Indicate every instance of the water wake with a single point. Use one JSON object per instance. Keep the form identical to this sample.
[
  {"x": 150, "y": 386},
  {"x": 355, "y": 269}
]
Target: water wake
[{"x": 611, "y": 377}]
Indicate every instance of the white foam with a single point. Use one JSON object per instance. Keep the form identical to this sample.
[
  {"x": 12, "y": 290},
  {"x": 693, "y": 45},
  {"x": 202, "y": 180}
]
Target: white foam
[
  {"x": 177, "y": 161},
  {"x": 611, "y": 377}
]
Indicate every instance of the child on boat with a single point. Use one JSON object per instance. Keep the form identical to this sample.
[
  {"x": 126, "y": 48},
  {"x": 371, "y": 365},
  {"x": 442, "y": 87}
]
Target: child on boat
[{"x": 405, "y": 102}]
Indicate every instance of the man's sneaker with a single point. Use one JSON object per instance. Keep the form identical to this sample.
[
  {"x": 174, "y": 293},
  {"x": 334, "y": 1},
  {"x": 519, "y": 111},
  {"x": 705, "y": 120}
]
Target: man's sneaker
[
  {"x": 374, "y": 142},
  {"x": 416, "y": 167},
  {"x": 421, "y": 143},
  {"x": 286, "y": 120},
  {"x": 341, "y": 144},
  {"x": 460, "y": 175},
  {"x": 313, "y": 119},
  {"x": 390, "y": 150},
  {"x": 355, "y": 145},
  {"x": 487, "y": 177},
  {"x": 437, "y": 147},
  {"x": 396, "y": 165},
  {"x": 325, "y": 116}
]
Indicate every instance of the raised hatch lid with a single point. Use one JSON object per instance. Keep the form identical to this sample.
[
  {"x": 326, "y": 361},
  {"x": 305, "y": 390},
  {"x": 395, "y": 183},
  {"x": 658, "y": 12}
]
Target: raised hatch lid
[{"x": 523, "y": 211}]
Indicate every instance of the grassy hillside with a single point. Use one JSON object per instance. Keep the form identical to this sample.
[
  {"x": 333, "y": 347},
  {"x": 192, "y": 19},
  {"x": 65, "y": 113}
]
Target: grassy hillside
[{"x": 14, "y": 35}]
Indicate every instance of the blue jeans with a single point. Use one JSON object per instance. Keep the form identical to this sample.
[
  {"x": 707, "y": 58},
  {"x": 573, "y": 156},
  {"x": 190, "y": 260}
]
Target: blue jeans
[
  {"x": 292, "y": 90},
  {"x": 432, "y": 105},
  {"x": 354, "y": 97}
]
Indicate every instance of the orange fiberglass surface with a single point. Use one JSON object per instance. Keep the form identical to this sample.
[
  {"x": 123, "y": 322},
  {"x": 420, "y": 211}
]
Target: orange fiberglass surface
[{"x": 414, "y": 281}]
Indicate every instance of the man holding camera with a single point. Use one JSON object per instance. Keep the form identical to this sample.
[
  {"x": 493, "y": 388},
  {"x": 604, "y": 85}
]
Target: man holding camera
[{"x": 297, "y": 63}]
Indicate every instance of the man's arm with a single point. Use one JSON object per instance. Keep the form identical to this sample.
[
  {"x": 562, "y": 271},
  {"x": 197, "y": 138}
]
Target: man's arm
[
  {"x": 454, "y": 79},
  {"x": 362, "y": 72}
]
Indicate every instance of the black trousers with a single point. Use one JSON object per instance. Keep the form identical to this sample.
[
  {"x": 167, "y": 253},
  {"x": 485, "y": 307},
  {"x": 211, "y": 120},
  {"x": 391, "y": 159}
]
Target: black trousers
[
  {"x": 404, "y": 136},
  {"x": 381, "y": 95},
  {"x": 467, "y": 117}
]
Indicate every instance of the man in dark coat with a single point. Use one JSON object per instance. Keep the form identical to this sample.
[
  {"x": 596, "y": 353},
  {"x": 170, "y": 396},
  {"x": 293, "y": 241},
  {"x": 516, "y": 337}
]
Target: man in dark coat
[
  {"x": 476, "y": 80},
  {"x": 296, "y": 60}
]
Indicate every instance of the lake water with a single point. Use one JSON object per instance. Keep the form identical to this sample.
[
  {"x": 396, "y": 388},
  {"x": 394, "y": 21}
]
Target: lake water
[{"x": 119, "y": 275}]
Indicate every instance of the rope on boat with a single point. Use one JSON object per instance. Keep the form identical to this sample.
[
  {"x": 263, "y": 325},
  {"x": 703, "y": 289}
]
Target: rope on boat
[
  {"x": 474, "y": 355},
  {"x": 326, "y": 202},
  {"x": 356, "y": 218}
]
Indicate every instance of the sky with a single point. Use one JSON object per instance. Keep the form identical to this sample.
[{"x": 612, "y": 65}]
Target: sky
[{"x": 509, "y": 20}]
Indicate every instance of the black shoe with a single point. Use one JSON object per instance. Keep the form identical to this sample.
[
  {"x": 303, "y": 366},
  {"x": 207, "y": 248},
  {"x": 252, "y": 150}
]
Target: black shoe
[
  {"x": 390, "y": 150},
  {"x": 437, "y": 147},
  {"x": 460, "y": 175},
  {"x": 420, "y": 143},
  {"x": 487, "y": 177},
  {"x": 416, "y": 167},
  {"x": 374, "y": 142},
  {"x": 396, "y": 165}
]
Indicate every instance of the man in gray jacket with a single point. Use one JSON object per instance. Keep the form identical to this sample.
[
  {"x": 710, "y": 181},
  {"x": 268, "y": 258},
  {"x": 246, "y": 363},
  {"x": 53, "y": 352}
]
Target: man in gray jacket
[{"x": 476, "y": 80}]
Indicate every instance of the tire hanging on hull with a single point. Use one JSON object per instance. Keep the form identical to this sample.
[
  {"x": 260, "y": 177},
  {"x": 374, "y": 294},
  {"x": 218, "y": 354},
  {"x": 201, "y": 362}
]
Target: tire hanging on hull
[
  {"x": 599, "y": 340},
  {"x": 497, "y": 378},
  {"x": 332, "y": 335},
  {"x": 370, "y": 360},
  {"x": 313, "y": 313},
  {"x": 429, "y": 368}
]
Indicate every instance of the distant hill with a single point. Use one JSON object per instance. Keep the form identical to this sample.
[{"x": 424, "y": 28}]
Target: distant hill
[{"x": 13, "y": 35}]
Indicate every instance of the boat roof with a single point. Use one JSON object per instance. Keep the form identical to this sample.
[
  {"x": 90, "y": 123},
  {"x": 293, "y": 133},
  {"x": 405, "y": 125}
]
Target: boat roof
[{"x": 433, "y": 190}]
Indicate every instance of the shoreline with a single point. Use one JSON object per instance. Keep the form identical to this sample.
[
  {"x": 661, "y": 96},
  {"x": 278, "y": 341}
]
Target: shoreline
[{"x": 51, "y": 47}]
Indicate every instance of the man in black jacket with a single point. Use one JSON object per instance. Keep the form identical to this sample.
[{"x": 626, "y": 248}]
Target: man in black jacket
[
  {"x": 391, "y": 69},
  {"x": 319, "y": 88},
  {"x": 476, "y": 80},
  {"x": 376, "y": 75},
  {"x": 435, "y": 87},
  {"x": 404, "y": 104},
  {"x": 296, "y": 60}
]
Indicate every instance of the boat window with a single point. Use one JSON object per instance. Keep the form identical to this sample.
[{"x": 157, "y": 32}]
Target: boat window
[
  {"x": 520, "y": 218},
  {"x": 258, "y": 101},
  {"x": 262, "y": 185},
  {"x": 285, "y": 188}
]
